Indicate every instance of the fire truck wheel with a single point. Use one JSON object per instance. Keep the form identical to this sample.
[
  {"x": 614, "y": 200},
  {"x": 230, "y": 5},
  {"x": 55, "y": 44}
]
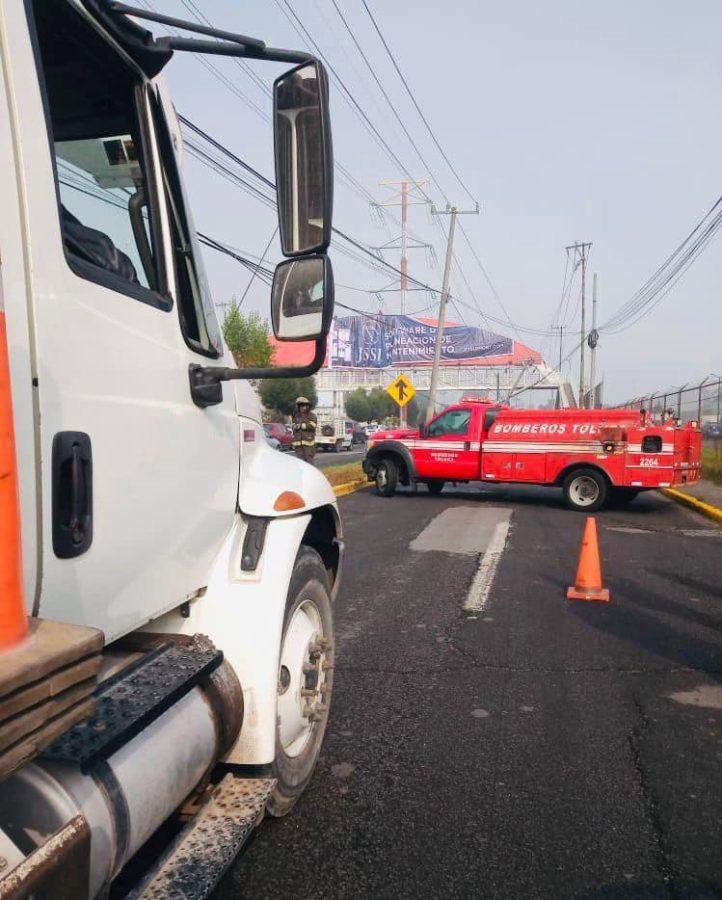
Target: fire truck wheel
[
  {"x": 387, "y": 476},
  {"x": 436, "y": 486},
  {"x": 585, "y": 490},
  {"x": 305, "y": 680}
]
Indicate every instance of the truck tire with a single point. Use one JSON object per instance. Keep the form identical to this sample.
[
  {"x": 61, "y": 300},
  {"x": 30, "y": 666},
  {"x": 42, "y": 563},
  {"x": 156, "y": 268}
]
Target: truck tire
[
  {"x": 387, "y": 477},
  {"x": 585, "y": 490},
  {"x": 306, "y": 663},
  {"x": 436, "y": 486}
]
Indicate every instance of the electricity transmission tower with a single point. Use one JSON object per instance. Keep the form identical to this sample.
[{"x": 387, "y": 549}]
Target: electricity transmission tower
[{"x": 405, "y": 193}]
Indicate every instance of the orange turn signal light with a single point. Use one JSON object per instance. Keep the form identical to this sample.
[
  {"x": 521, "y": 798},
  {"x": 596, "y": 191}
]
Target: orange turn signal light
[{"x": 288, "y": 500}]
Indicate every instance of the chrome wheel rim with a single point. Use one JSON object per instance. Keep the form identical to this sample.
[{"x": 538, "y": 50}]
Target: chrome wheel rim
[
  {"x": 302, "y": 680},
  {"x": 381, "y": 477},
  {"x": 584, "y": 491}
]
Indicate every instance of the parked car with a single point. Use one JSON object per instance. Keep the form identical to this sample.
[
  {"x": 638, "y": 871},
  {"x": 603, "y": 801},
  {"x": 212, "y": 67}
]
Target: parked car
[
  {"x": 359, "y": 435},
  {"x": 279, "y": 432}
]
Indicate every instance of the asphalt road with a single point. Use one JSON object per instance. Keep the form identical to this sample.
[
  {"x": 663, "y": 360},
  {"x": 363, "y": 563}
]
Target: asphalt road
[
  {"x": 532, "y": 748},
  {"x": 325, "y": 458}
]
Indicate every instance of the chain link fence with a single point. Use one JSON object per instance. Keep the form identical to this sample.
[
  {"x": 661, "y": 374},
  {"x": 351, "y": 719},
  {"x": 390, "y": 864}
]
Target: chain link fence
[{"x": 701, "y": 401}]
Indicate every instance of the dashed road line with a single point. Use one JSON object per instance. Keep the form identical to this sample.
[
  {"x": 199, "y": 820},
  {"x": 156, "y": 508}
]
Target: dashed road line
[{"x": 483, "y": 582}]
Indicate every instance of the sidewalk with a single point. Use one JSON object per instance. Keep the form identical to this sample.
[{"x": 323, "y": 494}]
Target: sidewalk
[
  {"x": 707, "y": 491},
  {"x": 704, "y": 496}
]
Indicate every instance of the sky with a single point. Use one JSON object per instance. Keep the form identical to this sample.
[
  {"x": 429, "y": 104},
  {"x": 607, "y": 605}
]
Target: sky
[{"x": 566, "y": 121}]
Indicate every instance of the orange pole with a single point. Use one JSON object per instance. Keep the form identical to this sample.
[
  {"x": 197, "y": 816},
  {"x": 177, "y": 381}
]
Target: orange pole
[{"x": 13, "y": 620}]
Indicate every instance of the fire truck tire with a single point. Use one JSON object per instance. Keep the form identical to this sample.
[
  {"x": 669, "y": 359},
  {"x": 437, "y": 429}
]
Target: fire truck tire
[
  {"x": 307, "y": 657},
  {"x": 387, "y": 477},
  {"x": 585, "y": 490},
  {"x": 436, "y": 486}
]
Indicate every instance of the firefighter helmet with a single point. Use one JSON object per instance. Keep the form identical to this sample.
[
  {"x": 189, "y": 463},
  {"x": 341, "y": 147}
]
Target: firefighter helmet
[{"x": 301, "y": 400}]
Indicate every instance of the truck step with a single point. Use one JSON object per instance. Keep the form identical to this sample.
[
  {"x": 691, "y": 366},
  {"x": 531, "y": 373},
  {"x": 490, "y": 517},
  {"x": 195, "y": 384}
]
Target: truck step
[
  {"x": 193, "y": 865},
  {"x": 129, "y": 701},
  {"x": 46, "y": 686}
]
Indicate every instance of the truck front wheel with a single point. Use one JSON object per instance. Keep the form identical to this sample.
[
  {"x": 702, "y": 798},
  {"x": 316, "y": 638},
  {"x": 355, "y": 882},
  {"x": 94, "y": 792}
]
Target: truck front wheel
[
  {"x": 387, "y": 477},
  {"x": 305, "y": 680},
  {"x": 585, "y": 490}
]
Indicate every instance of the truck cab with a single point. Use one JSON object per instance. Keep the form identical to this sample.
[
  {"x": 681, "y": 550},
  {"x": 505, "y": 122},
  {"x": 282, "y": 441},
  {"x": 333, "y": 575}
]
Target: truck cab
[{"x": 150, "y": 509}]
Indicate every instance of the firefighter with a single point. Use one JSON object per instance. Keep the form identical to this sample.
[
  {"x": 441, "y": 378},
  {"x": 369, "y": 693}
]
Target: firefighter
[{"x": 304, "y": 430}]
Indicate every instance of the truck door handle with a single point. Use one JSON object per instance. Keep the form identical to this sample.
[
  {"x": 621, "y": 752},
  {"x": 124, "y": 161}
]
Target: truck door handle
[
  {"x": 467, "y": 445},
  {"x": 72, "y": 472}
]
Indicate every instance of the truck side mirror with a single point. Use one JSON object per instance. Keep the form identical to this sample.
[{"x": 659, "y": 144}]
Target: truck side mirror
[
  {"x": 304, "y": 159},
  {"x": 302, "y": 298}
]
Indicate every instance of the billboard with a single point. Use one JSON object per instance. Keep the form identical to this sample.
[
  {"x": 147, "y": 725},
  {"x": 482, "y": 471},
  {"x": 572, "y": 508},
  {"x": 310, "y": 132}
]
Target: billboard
[{"x": 380, "y": 341}]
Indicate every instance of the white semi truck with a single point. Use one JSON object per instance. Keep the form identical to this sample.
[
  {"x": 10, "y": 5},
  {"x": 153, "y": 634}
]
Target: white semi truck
[{"x": 166, "y": 578}]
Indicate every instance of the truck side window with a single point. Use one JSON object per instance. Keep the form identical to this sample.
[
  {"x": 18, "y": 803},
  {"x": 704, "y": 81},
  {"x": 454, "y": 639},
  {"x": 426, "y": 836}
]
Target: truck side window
[
  {"x": 456, "y": 422},
  {"x": 107, "y": 225},
  {"x": 652, "y": 443},
  {"x": 195, "y": 305},
  {"x": 490, "y": 417}
]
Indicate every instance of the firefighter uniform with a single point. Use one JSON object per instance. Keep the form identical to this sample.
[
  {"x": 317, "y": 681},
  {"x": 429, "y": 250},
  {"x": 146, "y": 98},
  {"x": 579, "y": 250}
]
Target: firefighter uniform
[{"x": 304, "y": 430}]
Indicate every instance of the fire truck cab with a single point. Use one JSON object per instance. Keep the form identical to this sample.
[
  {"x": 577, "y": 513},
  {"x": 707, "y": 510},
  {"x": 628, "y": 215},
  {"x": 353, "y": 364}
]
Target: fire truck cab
[{"x": 594, "y": 455}]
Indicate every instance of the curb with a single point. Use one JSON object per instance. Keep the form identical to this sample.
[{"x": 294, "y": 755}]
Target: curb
[
  {"x": 706, "y": 509},
  {"x": 340, "y": 490}
]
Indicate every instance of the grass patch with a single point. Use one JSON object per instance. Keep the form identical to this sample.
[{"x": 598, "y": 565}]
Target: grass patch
[
  {"x": 712, "y": 462},
  {"x": 343, "y": 474}
]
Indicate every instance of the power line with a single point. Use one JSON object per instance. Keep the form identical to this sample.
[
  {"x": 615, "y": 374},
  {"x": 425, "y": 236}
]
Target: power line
[
  {"x": 388, "y": 99},
  {"x": 666, "y": 276},
  {"x": 413, "y": 100}
]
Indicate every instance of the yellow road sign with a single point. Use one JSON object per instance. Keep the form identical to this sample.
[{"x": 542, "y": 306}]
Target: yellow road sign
[{"x": 401, "y": 390}]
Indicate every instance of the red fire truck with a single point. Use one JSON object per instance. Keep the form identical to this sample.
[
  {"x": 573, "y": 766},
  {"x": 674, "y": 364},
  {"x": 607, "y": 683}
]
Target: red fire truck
[{"x": 594, "y": 455}]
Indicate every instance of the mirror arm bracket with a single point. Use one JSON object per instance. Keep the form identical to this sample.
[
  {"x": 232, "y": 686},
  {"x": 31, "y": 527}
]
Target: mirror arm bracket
[{"x": 206, "y": 381}]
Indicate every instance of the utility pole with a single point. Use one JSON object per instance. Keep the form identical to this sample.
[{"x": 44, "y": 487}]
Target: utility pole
[
  {"x": 560, "y": 329},
  {"x": 593, "y": 340},
  {"x": 452, "y": 212},
  {"x": 581, "y": 254},
  {"x": 410, "y": 193}
]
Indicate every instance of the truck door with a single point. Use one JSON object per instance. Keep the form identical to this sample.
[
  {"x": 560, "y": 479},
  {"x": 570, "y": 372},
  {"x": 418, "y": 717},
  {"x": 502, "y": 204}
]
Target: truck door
[
  {"x": 450, "y": 447},
  {"x": 138, "y": 484}
]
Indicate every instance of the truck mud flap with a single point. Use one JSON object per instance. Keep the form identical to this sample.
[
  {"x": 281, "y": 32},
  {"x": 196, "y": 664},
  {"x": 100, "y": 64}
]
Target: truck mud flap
[
  {"x": 192, "y": 867},
  {"x": 129, "y": 701}
]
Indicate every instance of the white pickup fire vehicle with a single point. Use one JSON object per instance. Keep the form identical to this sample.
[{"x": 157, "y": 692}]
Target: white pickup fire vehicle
[
  {"x": 594, "y": 455},
  {"x": 193, "y": 568}
]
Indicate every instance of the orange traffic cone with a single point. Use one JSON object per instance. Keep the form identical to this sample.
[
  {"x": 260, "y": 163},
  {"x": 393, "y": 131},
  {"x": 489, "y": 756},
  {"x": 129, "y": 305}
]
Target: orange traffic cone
[{"x": 588, "y": 583}]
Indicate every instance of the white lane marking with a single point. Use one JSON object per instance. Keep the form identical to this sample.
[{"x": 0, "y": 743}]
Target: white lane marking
[{"x": 483, "y": 582}]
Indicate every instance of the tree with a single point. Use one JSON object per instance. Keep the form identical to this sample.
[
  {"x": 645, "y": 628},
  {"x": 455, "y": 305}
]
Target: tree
[
  {"x": 247, "y": 337},
  {"x": 280, "y": 393},
  {"x": 357, "y": 405},
  {"x": 381, "y": 405}
]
